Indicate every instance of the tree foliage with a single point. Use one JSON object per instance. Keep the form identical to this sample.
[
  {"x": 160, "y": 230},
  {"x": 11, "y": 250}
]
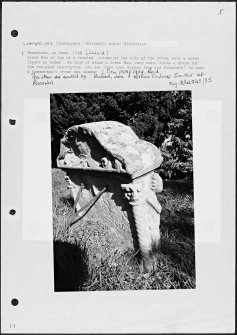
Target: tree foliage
[{"x": 162, "y": 118}]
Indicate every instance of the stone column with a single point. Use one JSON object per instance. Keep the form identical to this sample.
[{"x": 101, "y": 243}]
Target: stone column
[{"x": 146, "y": 211}]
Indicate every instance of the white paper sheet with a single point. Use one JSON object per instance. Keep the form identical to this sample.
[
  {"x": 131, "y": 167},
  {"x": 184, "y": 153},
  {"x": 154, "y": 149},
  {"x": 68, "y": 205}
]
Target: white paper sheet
[{"x": 198, "y": 38}]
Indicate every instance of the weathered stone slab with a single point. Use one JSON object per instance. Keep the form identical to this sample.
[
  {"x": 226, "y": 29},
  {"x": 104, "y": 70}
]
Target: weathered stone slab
[{"x": 111, "y": 175}]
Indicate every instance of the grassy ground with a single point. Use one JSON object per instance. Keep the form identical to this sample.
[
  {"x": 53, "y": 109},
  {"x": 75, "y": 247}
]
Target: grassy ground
[{"x": 76, "y": 263}]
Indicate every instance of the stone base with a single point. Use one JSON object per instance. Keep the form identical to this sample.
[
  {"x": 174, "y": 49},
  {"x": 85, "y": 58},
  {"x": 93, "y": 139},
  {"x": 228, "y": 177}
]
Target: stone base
[{"x": 110, "y": 210}]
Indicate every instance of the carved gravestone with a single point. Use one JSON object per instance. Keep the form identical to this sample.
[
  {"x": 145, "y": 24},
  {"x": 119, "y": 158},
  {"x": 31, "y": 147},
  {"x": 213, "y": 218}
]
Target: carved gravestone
[{"x": 111, "y": 174}]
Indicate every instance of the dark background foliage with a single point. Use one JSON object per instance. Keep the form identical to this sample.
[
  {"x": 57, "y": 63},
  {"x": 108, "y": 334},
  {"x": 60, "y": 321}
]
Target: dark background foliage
[{"x": 162, "y": 118}]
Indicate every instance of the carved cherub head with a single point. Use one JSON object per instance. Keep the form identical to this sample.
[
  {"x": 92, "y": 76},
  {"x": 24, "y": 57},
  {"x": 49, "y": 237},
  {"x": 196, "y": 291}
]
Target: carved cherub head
[
  {"x": 105, "y": 163},
  {"x": 133, "y": 192}
]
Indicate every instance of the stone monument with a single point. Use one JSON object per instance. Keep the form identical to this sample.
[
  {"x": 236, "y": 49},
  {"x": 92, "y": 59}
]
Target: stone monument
[{"x": 111, "y": 175}]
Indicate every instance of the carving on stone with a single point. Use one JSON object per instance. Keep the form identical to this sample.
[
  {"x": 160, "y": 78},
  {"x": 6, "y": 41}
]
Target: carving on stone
[
  {"x": 83, "y": 148},
  {"x": 105, "y": 163},
  {"x": 117, "y": 165},
  {"x": 155, "y": 204},
  {"x": 118, "y": 143},
  {"x": 141, "y": 196},
  {"x": 156, "y": 182},
  {"x": 133, "y": 192},
  {"x": 106, "y": 147}
]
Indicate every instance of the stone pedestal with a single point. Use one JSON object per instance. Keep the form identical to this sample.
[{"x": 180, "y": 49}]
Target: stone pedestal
[{"x": 111, "y": 174}]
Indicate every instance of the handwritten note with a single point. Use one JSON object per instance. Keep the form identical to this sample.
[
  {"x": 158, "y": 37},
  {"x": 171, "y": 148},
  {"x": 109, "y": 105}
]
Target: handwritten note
[{"x": 46, "y": 65}]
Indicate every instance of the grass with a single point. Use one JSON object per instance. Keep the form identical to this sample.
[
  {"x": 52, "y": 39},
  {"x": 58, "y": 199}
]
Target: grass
[{"x": 87, "y": 258}]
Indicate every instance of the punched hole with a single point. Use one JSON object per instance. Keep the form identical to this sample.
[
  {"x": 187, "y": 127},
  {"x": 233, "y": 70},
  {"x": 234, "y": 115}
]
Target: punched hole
[
  {"x": 14, "y": 33},
  {"x": 12, "y": 122},
  {"x": 12, "y": 212},
  {"x": 14, "y": 302}
]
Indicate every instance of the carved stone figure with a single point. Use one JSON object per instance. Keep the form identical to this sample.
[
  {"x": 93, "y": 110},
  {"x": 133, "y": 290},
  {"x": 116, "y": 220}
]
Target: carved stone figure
[
  {"x": 105, "y": 163},
  {"x": 116, "y": 170},
  {"x": 146, "y": 211}
]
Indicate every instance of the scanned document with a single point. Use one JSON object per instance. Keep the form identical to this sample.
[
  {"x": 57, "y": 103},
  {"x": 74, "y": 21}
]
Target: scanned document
[{"x": 118, "y": 167}]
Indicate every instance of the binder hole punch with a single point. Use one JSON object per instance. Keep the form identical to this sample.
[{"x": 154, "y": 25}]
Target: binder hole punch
[
  {"x": 14, "y": 33},
  {"x": 12, "y": 212},
  {"x": 12, "y": 122},
  {"x": 14, "y": 302}
]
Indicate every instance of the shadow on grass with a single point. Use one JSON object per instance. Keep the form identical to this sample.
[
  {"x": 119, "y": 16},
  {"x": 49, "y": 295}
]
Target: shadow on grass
[
  {"x": 70, "y": 268},
  {"x": 183, "y": 225},
  {"x": 183, "y": 186},
  {"x": 182, "y": 256}
]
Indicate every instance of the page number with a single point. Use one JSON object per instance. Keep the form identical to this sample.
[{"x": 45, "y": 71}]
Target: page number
[
  {"x": 12, "y": 325},
  {"x": 220, "y": 11}
]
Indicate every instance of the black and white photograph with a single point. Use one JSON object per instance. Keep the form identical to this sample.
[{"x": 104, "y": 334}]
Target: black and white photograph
[
  {"x": 122, "y": 191},
  {"x": 118, "y": 167}
]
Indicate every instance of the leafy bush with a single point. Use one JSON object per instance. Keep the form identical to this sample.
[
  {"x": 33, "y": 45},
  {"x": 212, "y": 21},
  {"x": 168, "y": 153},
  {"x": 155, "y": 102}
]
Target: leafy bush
[{"x": 154, "y": 116}]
